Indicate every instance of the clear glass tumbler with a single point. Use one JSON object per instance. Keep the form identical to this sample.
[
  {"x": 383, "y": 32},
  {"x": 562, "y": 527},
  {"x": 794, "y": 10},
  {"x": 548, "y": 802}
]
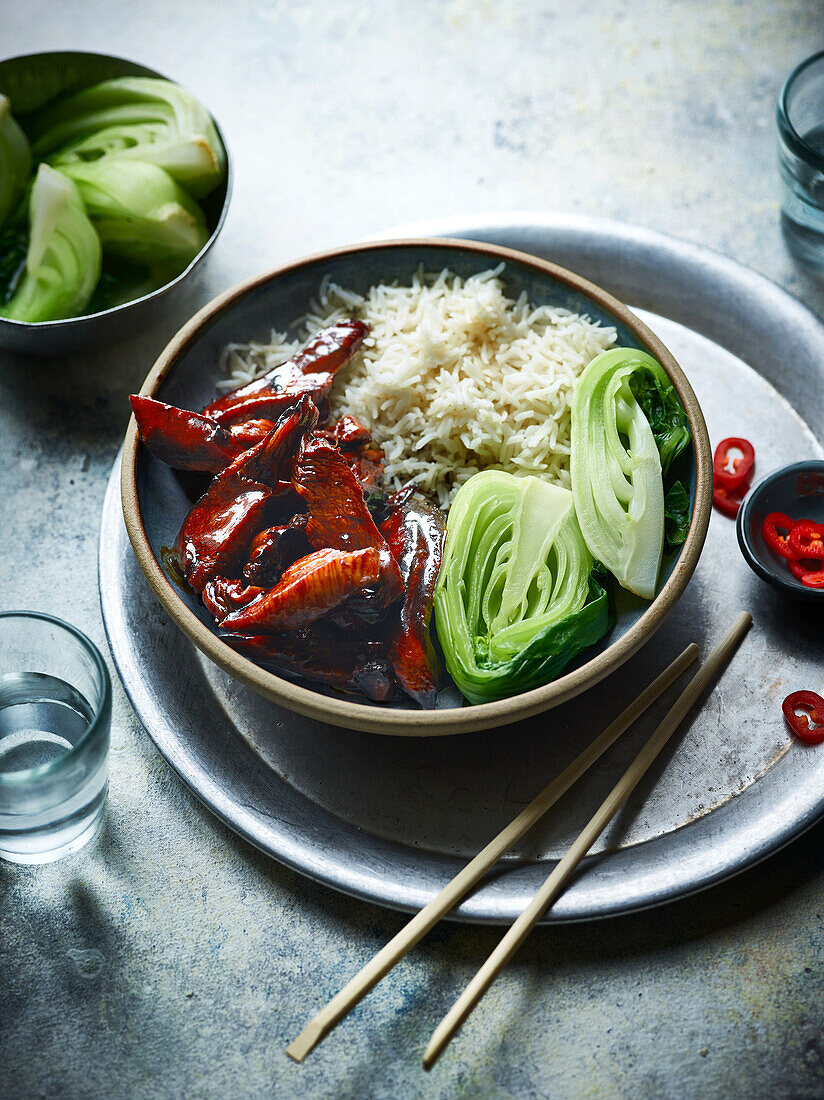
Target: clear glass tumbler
[
  {"x": 800, "y": 117},
  {"x": 55, "y": 720}
]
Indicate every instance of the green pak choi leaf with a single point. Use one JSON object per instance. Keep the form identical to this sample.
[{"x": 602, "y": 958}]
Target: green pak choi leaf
[
  {"x": 518, "y": 596},
  {"x": 676, "y": 514},
  {"x": 139, "y": 118},
  {"x": 662, "y": 407},
  {"x": 139, "y": 211},
  {"x": 63, "y": 258},
  {"x": 15, "y": 161}
]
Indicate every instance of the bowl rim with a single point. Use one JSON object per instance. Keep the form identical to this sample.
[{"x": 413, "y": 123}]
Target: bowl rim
[
  {"x": 789, "y": 585},
  {"x": 51, "y": 326},
  {"x": 395, "y": 721}
]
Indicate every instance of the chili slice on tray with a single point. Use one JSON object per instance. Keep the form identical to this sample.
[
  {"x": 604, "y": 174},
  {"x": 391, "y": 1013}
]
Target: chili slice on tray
[
  {"x": 732, "y": 471},
  {"x": 811, "y": 706},
  {"x": 732, "y": 467},
  {"x": 726, "y": 502}
]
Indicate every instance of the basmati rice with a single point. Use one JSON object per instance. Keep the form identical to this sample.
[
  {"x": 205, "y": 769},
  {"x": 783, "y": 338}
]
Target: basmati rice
[{"x": 454, "y": 378}]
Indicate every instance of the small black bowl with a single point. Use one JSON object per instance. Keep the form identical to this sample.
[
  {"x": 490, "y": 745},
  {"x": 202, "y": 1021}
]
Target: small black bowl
[
  {"x": 796, "y": 490},
  {"x": 32, "y": 80}
]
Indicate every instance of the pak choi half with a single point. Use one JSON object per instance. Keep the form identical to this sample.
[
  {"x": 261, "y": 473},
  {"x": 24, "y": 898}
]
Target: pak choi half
[
  {"x": 628, "y": 427},
  {"x": 518, "y": 595},
  {"x": 63, "y": 257}
]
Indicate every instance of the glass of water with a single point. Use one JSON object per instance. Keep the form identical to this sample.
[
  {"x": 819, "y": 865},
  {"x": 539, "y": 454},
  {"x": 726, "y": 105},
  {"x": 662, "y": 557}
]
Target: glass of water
[
  {"x": 800, "y": 119},
  {"x": 55, "y": 719}
]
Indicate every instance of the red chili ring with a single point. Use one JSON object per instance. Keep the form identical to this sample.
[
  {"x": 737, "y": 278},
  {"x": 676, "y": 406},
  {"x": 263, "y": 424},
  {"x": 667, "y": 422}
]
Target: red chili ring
[
  {"x": 734, "y": 479},
  {"x": 779, "y": 544},
  {"x": 806, "y": 539},
  {"x": 801, "y": 569},
  {"x": 813, "y": 704}
]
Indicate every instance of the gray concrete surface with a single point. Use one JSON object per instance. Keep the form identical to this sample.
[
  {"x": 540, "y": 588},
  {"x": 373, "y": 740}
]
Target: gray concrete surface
[{"x": 169, "y": 959}]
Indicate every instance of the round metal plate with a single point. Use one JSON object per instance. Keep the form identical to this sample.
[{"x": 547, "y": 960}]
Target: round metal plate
[{"x": 392, "y": 819}]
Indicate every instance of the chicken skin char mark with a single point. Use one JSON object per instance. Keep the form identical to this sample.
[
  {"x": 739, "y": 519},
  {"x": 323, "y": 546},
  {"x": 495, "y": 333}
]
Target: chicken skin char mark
[
  {"x": 319, "y": 655},
  {"x": 307, "y": 590},
  {"x": 310, "y": 372},
  {"x": 275, "y": 549},
  {"x": 414, "y": 529},
  {"x": 216, "y": 535},
  {"x": 338, "y": 516}
]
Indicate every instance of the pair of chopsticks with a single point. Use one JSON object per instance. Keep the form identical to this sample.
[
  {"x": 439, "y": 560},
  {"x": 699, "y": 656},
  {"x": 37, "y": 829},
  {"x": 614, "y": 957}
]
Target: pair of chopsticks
[{"x": 452, "y": 893}]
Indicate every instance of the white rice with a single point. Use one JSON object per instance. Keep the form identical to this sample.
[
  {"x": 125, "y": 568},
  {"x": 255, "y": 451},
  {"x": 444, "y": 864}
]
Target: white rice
[{"x": 454, "y": 378}]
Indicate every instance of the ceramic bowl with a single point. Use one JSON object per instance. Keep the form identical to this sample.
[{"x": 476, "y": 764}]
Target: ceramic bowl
[
  {"x": 30, "y": 82},
  {"x": 154, "y": 501},
  {"x": 798, "y": 492}
]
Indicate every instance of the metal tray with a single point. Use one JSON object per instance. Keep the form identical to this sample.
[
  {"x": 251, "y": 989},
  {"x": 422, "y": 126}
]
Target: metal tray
[{"x": 390, "y": 820}]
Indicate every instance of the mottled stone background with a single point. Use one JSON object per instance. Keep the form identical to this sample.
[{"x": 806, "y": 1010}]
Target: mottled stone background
[{"x": 170, "y": 959}]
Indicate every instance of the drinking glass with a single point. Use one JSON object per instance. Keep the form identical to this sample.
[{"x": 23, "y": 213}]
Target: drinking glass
[
  {"x": 55, "y": 719},
  {"x": 800, "y": 117}
]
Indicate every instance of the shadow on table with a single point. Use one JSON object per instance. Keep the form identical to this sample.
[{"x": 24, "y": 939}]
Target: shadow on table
[{"x": 80, "y": 401}]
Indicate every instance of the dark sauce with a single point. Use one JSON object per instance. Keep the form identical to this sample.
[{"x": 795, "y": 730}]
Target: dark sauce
[
  {"x": 193, "y": 483},
  {"x": 170, "y": 560}
]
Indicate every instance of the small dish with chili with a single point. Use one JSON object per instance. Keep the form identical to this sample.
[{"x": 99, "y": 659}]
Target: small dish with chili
[{"x": 780, "y": 527}]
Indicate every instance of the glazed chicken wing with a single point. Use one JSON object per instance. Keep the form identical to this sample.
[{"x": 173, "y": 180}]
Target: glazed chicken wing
[
  {"x": 310, "y": 372},
  {"x": 308, "y": 589},
  {"x": 414, "y": 530},
  {"x": 193, "y": 441},
  {"x": 275, "y": 549},
  {"x": 338, "y": 516}
]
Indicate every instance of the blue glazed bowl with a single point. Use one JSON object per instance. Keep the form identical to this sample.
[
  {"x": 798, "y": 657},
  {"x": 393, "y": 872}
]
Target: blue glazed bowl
[
  {"x": 155, "y": 503},
  {"x": 796, "y": 490},
  {"x": 30, "y": 82}
]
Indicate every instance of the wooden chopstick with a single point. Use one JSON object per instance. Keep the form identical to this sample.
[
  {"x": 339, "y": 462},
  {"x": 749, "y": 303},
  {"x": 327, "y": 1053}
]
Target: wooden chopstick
[
  {"x": 558, "y": 879},
  {"x": 452, "y": 893}
]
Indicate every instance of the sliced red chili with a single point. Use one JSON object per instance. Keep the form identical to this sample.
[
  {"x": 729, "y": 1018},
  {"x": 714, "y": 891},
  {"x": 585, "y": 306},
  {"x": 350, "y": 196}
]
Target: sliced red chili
[
  {"x": 774, "y": 523},
  {"x": 811, "y": 706},
  {"x": 806, "y": 539},
  {"x": 814, "y": 579},
  {"x": 727, "y": 501},
  {"x": 732, "y": 471},
  {"x": 802, "y": 569}
]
